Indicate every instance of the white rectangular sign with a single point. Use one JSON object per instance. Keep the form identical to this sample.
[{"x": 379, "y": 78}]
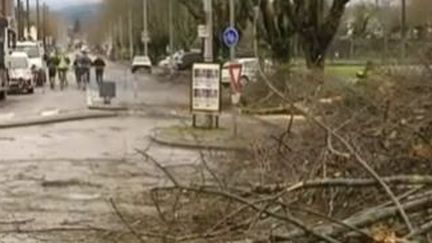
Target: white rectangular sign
[
  {"x": 202, "y": 31},
  {"x": 206, "y": 87}
]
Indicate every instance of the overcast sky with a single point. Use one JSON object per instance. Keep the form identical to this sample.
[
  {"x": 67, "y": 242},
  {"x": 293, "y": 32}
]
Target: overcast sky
[{"x": 65, "y": 3}]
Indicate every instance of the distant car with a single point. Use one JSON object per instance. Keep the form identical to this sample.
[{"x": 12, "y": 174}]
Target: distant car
[
  {"x": 35, "y": 52},
  {"x": 141, "y": 63},
  {"x": 187, "y": 60},
  {"x": 165, "y": 63},
  {"x": 20, "y": 73},
  {"x": 176, "y": 58}
]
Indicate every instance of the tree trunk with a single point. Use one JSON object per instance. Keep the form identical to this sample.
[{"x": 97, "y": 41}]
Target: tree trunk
[{"x": 315, "y": 54}]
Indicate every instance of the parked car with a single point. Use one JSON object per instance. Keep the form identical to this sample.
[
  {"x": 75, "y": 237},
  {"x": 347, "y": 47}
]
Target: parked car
[
  {"x": 187, "y": 60},
  {"x": 35, "y": 52},
  {"x": 165, "y": 63},
  {"x": 20, "y": 73},
  {"x": 249, "y": 71},
  {"x": 141, "y": 63}
]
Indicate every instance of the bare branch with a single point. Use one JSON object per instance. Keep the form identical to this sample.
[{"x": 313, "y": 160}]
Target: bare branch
[
  {"x": 242, "y": 200},
  {"x": 358, "y": 158},
  {"x": 365, "y": 219},
  {"x": 406, "y": 180},
  {"x": 426, "y": 228},
  {"x": 158, "y": 165},
  {"x": 124, "y": 221}
]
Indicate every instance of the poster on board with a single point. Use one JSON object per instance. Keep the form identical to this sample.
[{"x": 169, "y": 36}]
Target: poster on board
[{"x": 206, "y": 88}]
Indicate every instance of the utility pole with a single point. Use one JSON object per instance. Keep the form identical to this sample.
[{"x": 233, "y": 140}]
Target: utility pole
[
  {"x": 44, "y": 25},
  {"x": 121, "y": 36},
  {"x": 208, "y": 50},
  {"x": 28, "y": 18},
  {"x": 145, "y": 34},
  {"x": 130, "y": 24},
  {"x": 171, "y": 34},
  {"x": 19, "y": 20},
  {"x": 403, "y": 29},
  {"x": 232, "y": 24},
  {"x": 3, "y": 6},
  {"x": 38, "y": 20}
]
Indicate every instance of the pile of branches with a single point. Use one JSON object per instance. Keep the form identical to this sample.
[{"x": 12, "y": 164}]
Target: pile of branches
[{"x": 358, "y": 169}]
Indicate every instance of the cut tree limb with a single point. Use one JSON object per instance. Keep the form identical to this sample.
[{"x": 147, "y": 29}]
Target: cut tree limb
[
  {"x": 406, "y": 180},
  {"x": 348, "y": 146},
  {"x": 364, "y": 220}
]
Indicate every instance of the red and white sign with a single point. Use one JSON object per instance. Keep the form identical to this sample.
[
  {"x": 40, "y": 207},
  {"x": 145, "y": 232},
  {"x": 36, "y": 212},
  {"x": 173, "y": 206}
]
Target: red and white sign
[{"x": 235, "y": 71}]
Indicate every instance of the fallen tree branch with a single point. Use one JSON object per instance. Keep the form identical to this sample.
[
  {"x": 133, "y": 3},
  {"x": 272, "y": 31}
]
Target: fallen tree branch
[
  {"x": 55, "y": 229},
  {"x": 158, "y": 165},
  {"x": 241, "y": 200},
  {"x": 332, "y": 220},
  {"x": 426, "y": 228},
  {"x": 358, "y": 158},
  {"x": 125, "y": 223},
  {"x": 406, "y": 180},
  {"x": 363, "y": 220}
]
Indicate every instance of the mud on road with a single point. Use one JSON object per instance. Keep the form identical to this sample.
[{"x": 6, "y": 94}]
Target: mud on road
[{"x": 57, "y": 180}]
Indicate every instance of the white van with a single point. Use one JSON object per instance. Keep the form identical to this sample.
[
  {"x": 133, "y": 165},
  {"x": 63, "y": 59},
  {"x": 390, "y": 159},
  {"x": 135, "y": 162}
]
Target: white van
[
  {"x": 35, "y": 52},
  {"x": 20, "y": 73}
]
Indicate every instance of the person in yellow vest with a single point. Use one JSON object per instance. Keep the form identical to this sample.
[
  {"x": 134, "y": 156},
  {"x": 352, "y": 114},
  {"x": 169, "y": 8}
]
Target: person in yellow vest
[{"x": 63, "y": 67}]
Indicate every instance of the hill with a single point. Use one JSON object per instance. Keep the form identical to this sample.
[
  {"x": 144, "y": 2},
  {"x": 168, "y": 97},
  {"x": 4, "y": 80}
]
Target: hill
[{"x": 83, "y": 12}]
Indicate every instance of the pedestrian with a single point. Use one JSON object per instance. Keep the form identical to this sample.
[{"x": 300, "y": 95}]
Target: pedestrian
[
  {"x": 63, "y": 67},
  {"x": 52, "y": 69},
  {"x": 85, "y": 64},
  {"x": 78, "y": 70},
  {"x": 99, "y": 65}
]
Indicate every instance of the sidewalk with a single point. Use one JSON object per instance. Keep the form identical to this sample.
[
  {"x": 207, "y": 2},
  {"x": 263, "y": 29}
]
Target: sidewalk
[{"x": 53, "y": 117}]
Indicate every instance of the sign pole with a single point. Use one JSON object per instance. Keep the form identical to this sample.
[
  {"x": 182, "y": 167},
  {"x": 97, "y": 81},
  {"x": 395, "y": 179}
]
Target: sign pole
[
  {"x": 208, "y": 52},
  {"x": 232, "y": 58},
  {"x": 232, "y": 24},
  {"x": 145, "y": 22}
]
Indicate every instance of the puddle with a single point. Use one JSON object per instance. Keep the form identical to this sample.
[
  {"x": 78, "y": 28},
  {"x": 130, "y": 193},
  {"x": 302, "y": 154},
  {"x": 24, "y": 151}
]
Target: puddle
[{"x": 82, "y": 196}]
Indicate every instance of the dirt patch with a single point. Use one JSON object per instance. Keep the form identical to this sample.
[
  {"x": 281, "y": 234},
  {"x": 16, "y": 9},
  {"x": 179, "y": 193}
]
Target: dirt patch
[{"x": 68, "y": 183}]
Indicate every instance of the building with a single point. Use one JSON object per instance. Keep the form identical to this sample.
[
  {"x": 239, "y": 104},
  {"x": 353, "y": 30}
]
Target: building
[{"x": 7, "y": 8}]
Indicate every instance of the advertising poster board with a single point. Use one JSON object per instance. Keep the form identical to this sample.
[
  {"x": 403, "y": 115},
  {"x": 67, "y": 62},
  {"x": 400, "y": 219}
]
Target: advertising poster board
[{"x": 206, "y": 88}]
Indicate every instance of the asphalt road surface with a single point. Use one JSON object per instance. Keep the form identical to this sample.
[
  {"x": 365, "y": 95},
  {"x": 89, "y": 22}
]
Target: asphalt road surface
[{"x": 56, "y": 180}]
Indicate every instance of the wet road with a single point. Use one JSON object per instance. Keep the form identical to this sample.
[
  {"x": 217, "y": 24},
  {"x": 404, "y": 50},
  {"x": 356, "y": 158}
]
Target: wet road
[{"x": 57, "y": 179}]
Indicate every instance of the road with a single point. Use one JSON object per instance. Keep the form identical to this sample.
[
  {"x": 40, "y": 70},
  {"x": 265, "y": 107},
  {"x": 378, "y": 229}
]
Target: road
[{"x": 57, "y": 179}]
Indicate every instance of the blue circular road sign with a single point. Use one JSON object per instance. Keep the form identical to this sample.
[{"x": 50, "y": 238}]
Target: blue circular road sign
[{"x": 231, "y": 37}]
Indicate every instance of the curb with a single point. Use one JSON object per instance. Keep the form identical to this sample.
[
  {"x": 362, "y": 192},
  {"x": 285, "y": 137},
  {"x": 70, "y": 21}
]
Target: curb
[
  {"x": 57, "y": 119},
  {"x": 191, "y": 145},
  {"x": 107, "y": 108}
]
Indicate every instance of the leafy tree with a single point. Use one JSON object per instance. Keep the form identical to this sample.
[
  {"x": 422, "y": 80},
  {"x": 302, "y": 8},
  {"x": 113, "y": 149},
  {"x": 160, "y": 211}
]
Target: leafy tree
[
  {"x": 185, "y": 25},
  {"x": 244, "y": 13},
  {"x": 316, "y": 22}
]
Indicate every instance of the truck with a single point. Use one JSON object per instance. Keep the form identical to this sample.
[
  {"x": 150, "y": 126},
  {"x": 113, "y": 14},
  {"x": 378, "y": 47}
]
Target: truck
[{"x": 7, "y": 44}]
